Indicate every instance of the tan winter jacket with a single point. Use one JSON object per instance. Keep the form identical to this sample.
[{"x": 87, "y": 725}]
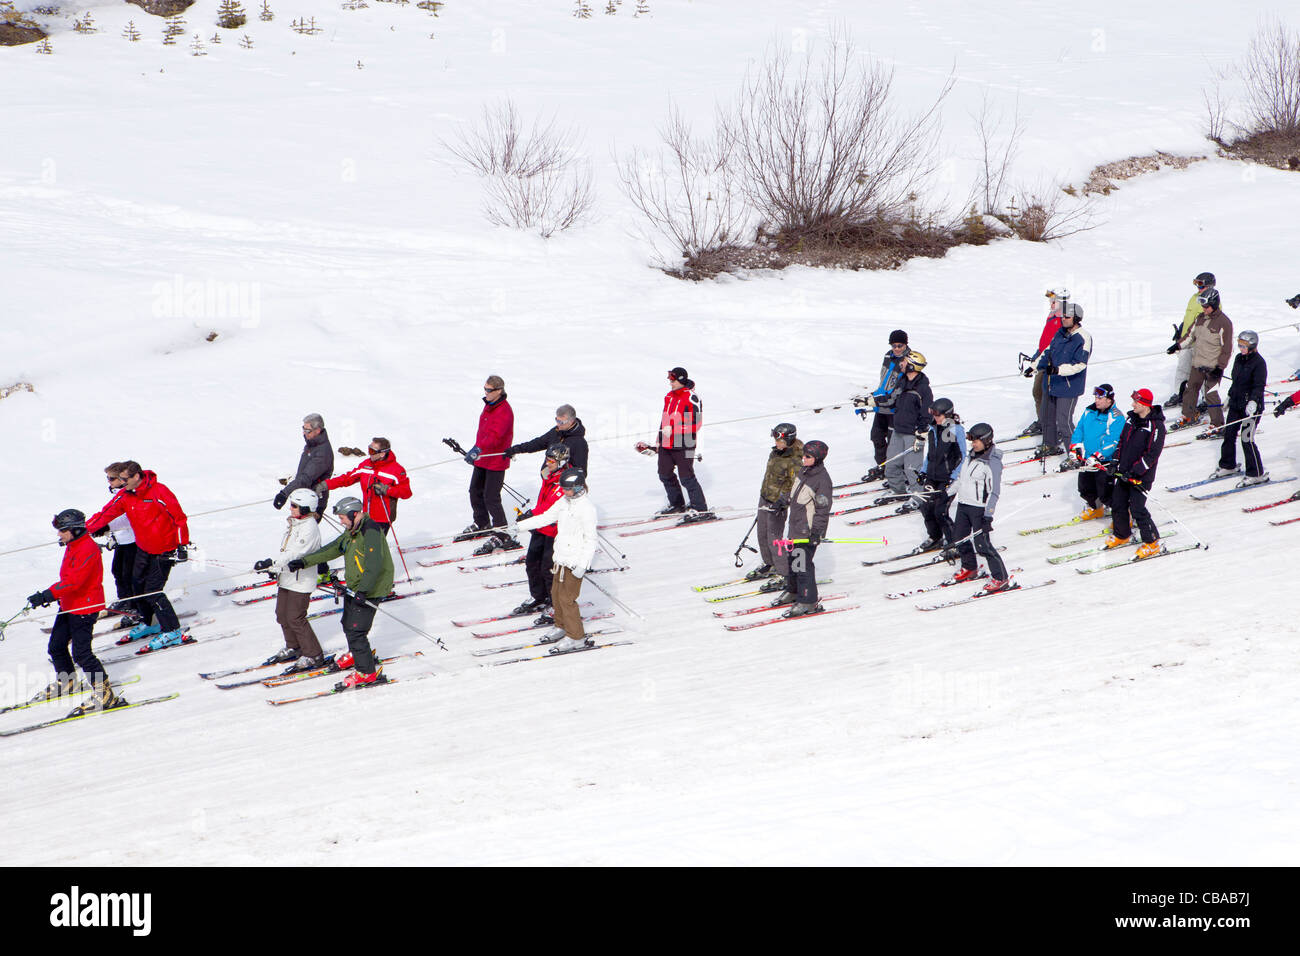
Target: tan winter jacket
[{"x": 1210, "y": 341}]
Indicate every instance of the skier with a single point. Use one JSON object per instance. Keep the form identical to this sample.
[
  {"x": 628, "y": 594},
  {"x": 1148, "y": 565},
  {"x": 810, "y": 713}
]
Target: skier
[
  {"x": 1210, "y": 346},
  {"x": 569, "y": 430},
  {"x": 679, "y": 428},
  {"x": 1134, "y": 468},
  {"x": 978, "y": 488},
  {"x": 315, "y": 464},
  {"x": 574, "y": 518},
  {"x": 1065, "y": 365},
  {"x": 121, "y": 541},
  {"x": 1245, "y": 406},
  {"x": 944, "y": 454},
  {"x": 162, "y": 537},
  {"x": 496, "y": 430},
  {"x": 882, "y": 402},
  {"x": 907, "y": 441},
  {"x": 80, "y": 593},
  {"x": 1056, "y": 301},
  {"x": 368, "y": 578},
  {"x": 810, "y": 513},
  {"x": 1183, "y": 370},
  {"x": 1091, "y": 446},
  {"x": 783, "y": 463},
  {"x": 541, "y": 541},
  {"x": 302, "y": 650},
  {"x": 382, "y": 479}
]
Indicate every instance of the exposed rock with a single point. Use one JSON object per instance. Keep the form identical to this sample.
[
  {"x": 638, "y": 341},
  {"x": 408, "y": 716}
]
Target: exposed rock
[{"x": 163, "y": 8}]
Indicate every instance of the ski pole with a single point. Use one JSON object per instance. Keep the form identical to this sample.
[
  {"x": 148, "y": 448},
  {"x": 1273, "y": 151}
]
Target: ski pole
[
  {"x": 743, "y": 546},
  {"x": 612, "y": 598},
  {"x": 1161, "y": 506},
  {"x": 384, "y": 505},
  {"x": 375, "y": 605},
  {"x": 783, "y": 545}
]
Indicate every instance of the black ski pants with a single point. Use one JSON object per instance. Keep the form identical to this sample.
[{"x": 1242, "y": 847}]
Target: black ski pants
[
  {"x": 802, "y": 577},
  {"x": 1096, "y": 488},
  {"x": 683, "y": 460},
  {"x": 1131, "y": 500},
  {"x": 485, "y": 498},
  {"x": 537, "y": 563},
  {"x": 123, "y": 569},
  {"x": 971, "y": 518},
  {"x": 882, "y": 426},
  {"x": 934, "y": 511},
  {"x": 1249, "y": 450},
  {"x": 148, "y": 578},
  {"x": 75, "y": 629},
  {"x": 358, "y": 617}
]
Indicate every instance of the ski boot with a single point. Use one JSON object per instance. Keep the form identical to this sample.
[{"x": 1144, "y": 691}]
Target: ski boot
[
  {"x": 470, "y": 533},
  {"x": 545, "y": 618},
  {"x": 1114, "y": 541},
  {"x": 344, "y": 661},
  {"x": 1251, "y": 480},
  {"x": 357, "y": 679},
  {"x": 166, "y": 639},
  {"x": 283, "y": 656},
  {"x": 801, "y": 610},
  {"x": 305, "y": 663},
  {"x": 760, "y": 573},
  {"x": 1150, "y": 549},
  {"x": 784, "y": 598},
  {"x": 550, "y": 637},
  {"x": 62, "y": 687},
  {"x": 671, "y": 510},
  {"x": 101, "y": 697},
  {"x": 777, "y": 583},
  {"x": 142, "y": 631},
  {"x": 1034, "y": 428},
  {"x": 908, "y": 506},
  {"x": 570, "y": 644},
  {"x": 1090, "y": 514},
  {"x": 693, "y": 517},
  {"x": 528, "y": 607},
  {"x": 965, "y": 574},
  {"x": 877, "y": 473},
  {"x": 994, "y": 586},
  {"x": 928, "y": 545},
  {"x": 1222, "y": 472}
]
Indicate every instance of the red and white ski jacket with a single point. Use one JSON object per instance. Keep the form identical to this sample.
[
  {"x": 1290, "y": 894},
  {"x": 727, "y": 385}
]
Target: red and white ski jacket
[
  {"x": 680, "y": 424},
  {"x": 549, "y": 494},
  {"x": 81, "y": 578},
  {"x": 155, "y": 515},
  {"x": 379, "y": 507}
]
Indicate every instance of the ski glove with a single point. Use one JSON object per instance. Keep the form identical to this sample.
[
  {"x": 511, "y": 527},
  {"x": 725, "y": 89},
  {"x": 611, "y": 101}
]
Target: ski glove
[
  {"x": 379, "y": 488},
  {"x": 866, "y": 401},
  {"x": 263, "y": 565},
  {"x": 472, "y": 455},
  {"x": 296, "y": 565},
  {"x": 1050, "y": 369},
  {"x": 1172, "y": 349},
  {"x": 320, "y": 488},
  {"x": 41, "y": 598},
  {"x": 861, "y": 412},
  {"x": 1029, "y": 372},
  {"x": 1077, "y": 452},
  {"x": 987, "y": 524},
  {"x": 278, "y": 501},
  {"x": 814, "y": 538},
  {"x": 1282, "y": 407},
  {"x": 180, "y": 555},
  {"x": 918, "y": 441}
]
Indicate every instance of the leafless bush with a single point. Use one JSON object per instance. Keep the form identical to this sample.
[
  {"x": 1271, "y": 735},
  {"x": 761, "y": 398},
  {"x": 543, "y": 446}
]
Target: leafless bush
[
  {"x": 820, "y": 147},
  {"x": 997, "y": 152},
  {"x": 1041, "y": 213},
  {"x": 687, "y": 192},
  {"x": 549, "y": 201},
  {"x": 1271, "y": 73},
  {"x": 535, "y": 179}
]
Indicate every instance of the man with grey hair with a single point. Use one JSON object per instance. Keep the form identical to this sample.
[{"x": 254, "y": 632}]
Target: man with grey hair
[
  {"x": 569, "y": 430},
  {"x": 314, "y": 466}
]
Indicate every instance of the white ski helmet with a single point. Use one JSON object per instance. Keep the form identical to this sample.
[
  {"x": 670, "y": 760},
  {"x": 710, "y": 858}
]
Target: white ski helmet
[{"x": 305, "y": 499}]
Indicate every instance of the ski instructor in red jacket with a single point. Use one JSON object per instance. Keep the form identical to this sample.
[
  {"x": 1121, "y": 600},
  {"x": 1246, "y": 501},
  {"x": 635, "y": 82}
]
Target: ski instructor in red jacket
[
  {"x": 678, "y": 430},
  {"x": 162, "y": 535},
  {"x": 496, "y": 432}
]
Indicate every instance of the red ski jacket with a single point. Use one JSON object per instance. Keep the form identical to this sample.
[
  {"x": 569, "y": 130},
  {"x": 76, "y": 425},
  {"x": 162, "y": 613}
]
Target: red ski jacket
[
  {"x": 681, "y": 419},
  {"x": 155, "y": 515},
  {"x": 496, "y": 433},
  {"x": 81, "y": 578},
  {"x": 549, "y": 494},
  {"x": 378, "y": 507}
]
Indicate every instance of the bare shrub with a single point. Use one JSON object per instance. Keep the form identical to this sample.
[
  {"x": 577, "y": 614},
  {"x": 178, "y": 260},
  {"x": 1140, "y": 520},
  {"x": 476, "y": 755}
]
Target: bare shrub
[
  {"x": 1041, "y": 213},
  {"x": 535, "y": 179},
  {"x": 820, "y": 147},
  {"x": 1271, "y": 73},
  {"x": 687, "y": 193},
  {"x": 998, "y": 152}
]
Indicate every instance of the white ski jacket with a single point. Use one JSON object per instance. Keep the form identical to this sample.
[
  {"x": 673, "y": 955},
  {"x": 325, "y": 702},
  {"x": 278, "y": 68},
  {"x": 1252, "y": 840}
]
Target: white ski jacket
[
  {"x": 575, "y": 532},
  {"x": 302, "y": 537}
]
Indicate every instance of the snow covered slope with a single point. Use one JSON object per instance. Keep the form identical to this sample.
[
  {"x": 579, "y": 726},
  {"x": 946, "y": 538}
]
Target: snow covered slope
[{"x": 1136, "y": 716}]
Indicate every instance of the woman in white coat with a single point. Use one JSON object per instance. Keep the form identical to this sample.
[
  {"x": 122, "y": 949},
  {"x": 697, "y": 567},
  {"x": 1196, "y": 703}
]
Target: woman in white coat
[
  {"x": 301, "y": 647},
  {"x": 574, "y": 517}
]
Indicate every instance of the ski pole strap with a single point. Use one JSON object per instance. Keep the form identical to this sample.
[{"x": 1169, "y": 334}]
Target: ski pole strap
[
  {"x": 454, "y": 446},
  {"x": 3, "y": 624}
]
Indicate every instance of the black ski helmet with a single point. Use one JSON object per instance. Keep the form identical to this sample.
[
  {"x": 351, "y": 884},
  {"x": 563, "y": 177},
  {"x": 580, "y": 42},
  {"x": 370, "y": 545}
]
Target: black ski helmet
[
  {"x": 1104, "y": 391},
  {"x": 1204, "y": 280},
  {"x": 558, "y": 451},
  {"x": 348, "y": 506},
  {"x": 941, "y": 406},
  {"x": 70, "y": 519},
  {"x": 786, "y": 432},
  {"x": 1209, "y": 297},
  {"x": 574, "y": 480},
  {"x": 981, "y": 430},
  {"x": 816, "y": 450}
]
